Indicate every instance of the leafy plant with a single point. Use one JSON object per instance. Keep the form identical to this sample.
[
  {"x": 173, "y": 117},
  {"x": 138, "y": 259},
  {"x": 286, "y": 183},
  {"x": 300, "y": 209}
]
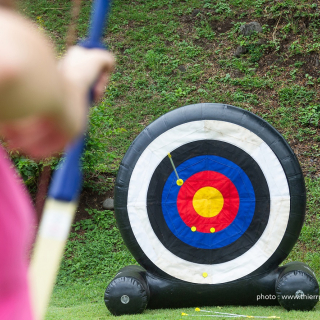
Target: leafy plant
[
  {"x": 310, "y": 79},
  {"x": 256, "y": 52},
  {"x": 28, "y": 169},
  {"x": 222, "y": 7},
  {"x": 296, "y": 48},
  {"x": 205, "y": 32},
  {"x": 98, "y": 251},
  {"x": 155, "y": 59},
  {"x": 99, "y": 219},
  {"x": 310, "y": 115},
  {"x": 295, "y": 95},
  {"x": 240, "y": 96}
]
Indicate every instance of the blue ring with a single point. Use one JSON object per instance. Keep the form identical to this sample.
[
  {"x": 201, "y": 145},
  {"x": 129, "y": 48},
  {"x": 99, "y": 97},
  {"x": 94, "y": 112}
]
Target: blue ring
[{"x": 246, "y": 206}]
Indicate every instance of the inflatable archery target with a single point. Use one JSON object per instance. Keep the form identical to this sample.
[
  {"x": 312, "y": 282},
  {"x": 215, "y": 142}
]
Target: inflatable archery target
[{"x": 209, "y": 194}]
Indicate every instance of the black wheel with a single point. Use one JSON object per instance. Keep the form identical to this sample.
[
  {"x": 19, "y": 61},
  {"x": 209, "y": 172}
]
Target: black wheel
[
  {"x": 297, "y": 287},
  {"x": 128, "y": 292},
  {"x": 233, "y": 208}
]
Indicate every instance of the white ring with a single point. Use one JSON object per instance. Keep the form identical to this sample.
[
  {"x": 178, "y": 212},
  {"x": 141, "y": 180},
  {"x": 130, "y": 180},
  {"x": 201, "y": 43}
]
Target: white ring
[{"x": 240, "y": 137}]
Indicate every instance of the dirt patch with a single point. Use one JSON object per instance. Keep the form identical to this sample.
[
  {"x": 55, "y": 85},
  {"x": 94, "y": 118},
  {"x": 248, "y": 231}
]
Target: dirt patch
[
  {"x": 222, "y": 26},
  {"x": 236, "y": 74},
  {"x": 90, "y": 199},
  {"x": 204, "y": 43},
  {"x": 218, "y": 26},
  {"x": 307, "y": 64},
  {"x": 268, "y": 59},
  {"x": 309, "y": 161},
  {"x": 311, "y": 65}
]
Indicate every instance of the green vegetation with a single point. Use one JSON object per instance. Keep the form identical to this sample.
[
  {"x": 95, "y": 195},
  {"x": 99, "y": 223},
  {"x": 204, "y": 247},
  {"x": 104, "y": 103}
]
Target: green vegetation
[
  {"x": 307, "y": 247},
  {"x": 171, "y": 53},
  {"x": 93, "y": 309},
  {"x": 94, "y": 250}
]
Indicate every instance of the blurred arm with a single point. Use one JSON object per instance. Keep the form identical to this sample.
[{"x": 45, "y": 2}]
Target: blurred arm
[{"x": 35, "y": 95}]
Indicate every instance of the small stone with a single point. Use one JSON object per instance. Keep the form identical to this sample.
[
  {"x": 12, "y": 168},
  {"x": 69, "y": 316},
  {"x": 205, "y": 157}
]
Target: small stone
[
  {"x": 108, "y": 204},
  {"x": 195, "y": 12},
  {"x": 182, "y": 68},
  {"x": 249, "y": 28},
  {"x": 239, "y": 51}
]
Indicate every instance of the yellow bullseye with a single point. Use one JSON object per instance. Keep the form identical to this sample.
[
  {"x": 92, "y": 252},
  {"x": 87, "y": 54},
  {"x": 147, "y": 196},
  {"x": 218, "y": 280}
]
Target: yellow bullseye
[{"x": 208, "y": 202}]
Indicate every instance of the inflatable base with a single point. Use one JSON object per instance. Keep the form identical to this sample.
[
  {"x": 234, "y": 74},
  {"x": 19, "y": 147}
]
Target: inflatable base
[{"x": 293, "y": 286}]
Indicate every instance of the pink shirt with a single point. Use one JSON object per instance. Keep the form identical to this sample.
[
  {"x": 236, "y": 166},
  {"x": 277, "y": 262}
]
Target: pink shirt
[{"x": 16, "y": 221}]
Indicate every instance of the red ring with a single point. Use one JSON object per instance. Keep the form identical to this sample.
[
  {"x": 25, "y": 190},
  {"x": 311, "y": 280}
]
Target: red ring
[{"x": 208, "y": 179}]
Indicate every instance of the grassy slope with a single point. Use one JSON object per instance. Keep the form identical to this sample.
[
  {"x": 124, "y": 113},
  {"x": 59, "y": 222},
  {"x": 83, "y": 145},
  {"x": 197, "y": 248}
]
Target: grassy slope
[{"x": 171, "y": 53}]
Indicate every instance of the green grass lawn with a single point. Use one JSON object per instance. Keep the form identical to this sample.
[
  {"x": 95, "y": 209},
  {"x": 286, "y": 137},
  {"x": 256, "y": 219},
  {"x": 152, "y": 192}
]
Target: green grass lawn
[{"x": 172, "y": 53}]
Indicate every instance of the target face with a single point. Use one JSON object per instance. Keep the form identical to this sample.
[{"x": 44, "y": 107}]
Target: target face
[
  {"x": 216, "y": 197},
  {"x": 205, "y": 195}
]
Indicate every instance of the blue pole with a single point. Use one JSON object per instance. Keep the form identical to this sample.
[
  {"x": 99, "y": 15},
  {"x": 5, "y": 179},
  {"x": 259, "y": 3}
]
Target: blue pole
[{"x": 67, "y": 179}]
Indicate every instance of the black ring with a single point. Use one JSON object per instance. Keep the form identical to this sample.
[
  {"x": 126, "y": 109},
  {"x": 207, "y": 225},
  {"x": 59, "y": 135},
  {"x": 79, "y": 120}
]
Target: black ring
[{"x": 261, "y": 214}]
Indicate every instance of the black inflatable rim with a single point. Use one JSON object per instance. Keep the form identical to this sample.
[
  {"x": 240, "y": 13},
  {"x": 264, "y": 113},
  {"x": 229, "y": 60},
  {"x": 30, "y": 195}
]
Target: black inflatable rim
[{"x": 211, "y": 111}]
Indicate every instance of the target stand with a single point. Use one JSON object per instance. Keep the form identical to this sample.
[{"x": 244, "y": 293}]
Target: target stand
[{"x": 210, "y": 199}]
